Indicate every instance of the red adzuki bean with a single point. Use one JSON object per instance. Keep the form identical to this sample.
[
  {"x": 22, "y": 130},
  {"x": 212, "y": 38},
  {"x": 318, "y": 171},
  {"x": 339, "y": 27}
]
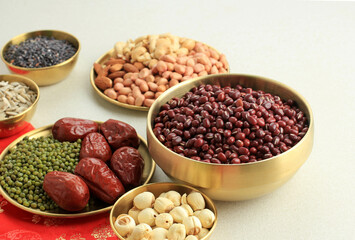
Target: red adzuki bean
[{"x": 216, "y": 124}]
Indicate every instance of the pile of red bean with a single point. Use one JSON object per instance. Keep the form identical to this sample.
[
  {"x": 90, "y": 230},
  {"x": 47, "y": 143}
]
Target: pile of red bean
[{"x": 229, "y": 125}]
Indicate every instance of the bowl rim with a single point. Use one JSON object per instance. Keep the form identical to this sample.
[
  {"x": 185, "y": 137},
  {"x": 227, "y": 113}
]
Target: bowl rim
[
  {"x": 32, "y": 105},
  {"x": 198, "y": 79},
  {"x": 71, "y": 214},
  {"x": 207, "y": 199},
  {"x": 4, "y": 48}
]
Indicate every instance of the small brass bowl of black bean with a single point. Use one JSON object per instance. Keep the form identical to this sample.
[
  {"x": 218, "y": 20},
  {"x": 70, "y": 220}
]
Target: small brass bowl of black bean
[{"x": 54, "y": 61}]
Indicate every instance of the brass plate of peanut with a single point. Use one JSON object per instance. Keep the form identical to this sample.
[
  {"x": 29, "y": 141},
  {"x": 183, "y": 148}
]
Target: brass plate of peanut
[{"x": 135, "y": 73}]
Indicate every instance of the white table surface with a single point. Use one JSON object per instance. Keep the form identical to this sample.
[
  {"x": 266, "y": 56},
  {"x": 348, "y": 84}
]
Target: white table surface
[{"x": 309, "y": 46}]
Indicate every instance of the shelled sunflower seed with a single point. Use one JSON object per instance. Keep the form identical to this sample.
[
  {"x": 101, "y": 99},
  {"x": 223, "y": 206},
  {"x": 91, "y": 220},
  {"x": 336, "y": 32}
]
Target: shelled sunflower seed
[{"x": 15, "y": 97}]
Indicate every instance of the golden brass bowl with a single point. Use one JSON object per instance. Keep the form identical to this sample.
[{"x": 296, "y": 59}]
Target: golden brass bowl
[
  {"x": 125, "y": 202},
  {"x": 46, "y": 75},
  {"x": 15, "y": 124},
  {"x": 97, "y": 206},
  {"x": 235, "y": 181},
  {"x": 93, "y": 75}
]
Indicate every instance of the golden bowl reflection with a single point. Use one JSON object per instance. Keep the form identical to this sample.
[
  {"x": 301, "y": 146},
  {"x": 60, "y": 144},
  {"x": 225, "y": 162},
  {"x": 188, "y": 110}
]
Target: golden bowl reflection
[
  {"x": 125, "y": 202},
  {"x": 11, "y": 126},
  {"x": 46, "y": 75},
  {"x": 230, "y": 182}
]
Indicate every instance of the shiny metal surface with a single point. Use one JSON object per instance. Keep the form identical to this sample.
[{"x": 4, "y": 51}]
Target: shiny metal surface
[
  {"x": 239, "y": 181},
  {"x": 46, "y": 75},
  {"x": 97, "y": 206},
  {"x": 15, "y": 124},
  {"x": 125, "y": 202}
]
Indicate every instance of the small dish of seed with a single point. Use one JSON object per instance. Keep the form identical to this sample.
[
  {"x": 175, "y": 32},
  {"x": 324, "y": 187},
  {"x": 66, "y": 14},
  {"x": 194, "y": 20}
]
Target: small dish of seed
[{"x": 15, "y": 97}]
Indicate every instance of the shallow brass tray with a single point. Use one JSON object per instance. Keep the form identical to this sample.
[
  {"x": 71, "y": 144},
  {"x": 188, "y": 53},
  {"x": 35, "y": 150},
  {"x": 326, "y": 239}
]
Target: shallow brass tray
[
  {"x": 93, "y": 75},
  {"x": 97, "y": 206}
]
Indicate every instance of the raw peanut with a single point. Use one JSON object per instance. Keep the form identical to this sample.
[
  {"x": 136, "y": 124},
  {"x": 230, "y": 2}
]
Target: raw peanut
[
  {"x": 118, "y": 80},
  {"x": 113, "y": 61},
  {"x": 175, "y": 75},
  {"x": 199, "y": 48},
  {"x": 161, "y": 88},
  {"x": 208, "y": 54},
  {"x": 155, "y": 70},
  {"x": 128, "y": 82},
  {"x": 182, "y": 60},
  {"x": 116, "y": 67},
  {"x": 122, "y": 98},
  {"x": 139, "y": 81},
  {"x": 144, "y": 87},
  {"x": 162, "y": 81},
  {"x": 223, "y": 60},
  {"x": 125, "y": 90},
  {"x": 189, "y": 71},
  {"x": 219, "y": 65},
  {"x": 136, "y": 92},
  {"x": 168, "y": 58},
  {"x": 157, "y": 94},
  {"x": 203, "y": 73},
  {"x": 130, "y": 94},
  {"x": 199, "y": 68},
  {"x": 118, "y": 86},
  {"x": 182, "y": 51},
  {"x": 148, "y": 102},
  {"x": 157, "y": 78},
  {"x": 130, "y": 100},
  {"x": 214, "y": 70},
  {"x": 103, "y": 83},
  {"x": 180, "y": 68},
  {"x": 162, "y": 66},
  {"x": 152, "y": 86},
  {"x": 148, "y": 95},
  {"x": 208, "y": 68},
  {"x": 111, "y": 93},
  {"x": 127, "y": 75},
  {"x": 152, "y": 63},
  {"x": 185, "y": 78},
  {"x": 173, "y": 82},
  {"x": 138, "y": 65},
  {"x": 144, "y": 73},
  {"x": 116, "y": 74},
  {"x": 166, "y": 74},
  {"x": 134, "y": 76},
  {"x": 214, "y": 54},
  {"x": 139, "y": 100},
  {"x": 130, "y": 68},
  {"x": 170, "y": 67},
  {"x": 189, "y": 44},
  {"x": 97, "y": 68},
  {"x": 194, "y": 75},
  {"x": 192, "y": 52},
  {"x": 203, "y": 60},
  {"x": 213, "y": 61},
  {"x": 190, "y": 62},
  {"x": 222, "y": 70},
  {"x": 150, "y": 78}
]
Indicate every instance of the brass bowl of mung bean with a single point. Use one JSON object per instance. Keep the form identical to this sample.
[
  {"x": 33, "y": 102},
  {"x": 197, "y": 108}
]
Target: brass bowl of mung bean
[{"x": 25, "y": 162}]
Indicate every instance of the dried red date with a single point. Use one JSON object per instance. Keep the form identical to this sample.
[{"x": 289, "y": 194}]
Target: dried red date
[
  {"x": 102, "y": 182},
  {"x": 67, "y": 190},
  {"x": 95, "y": 145},
  {"x": 72, "y": 129},
  {"x": 127, "y": 164},
  {"x": 119, "y": 134}
]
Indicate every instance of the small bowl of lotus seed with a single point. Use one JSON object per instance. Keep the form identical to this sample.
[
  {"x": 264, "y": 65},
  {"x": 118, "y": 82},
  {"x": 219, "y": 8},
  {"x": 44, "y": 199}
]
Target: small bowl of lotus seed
[{"x": 160, "y": 211}]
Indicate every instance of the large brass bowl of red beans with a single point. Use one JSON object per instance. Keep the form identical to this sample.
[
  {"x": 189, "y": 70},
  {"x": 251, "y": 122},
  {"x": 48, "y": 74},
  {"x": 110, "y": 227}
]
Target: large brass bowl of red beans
[{"x": 233, "y": 136}]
